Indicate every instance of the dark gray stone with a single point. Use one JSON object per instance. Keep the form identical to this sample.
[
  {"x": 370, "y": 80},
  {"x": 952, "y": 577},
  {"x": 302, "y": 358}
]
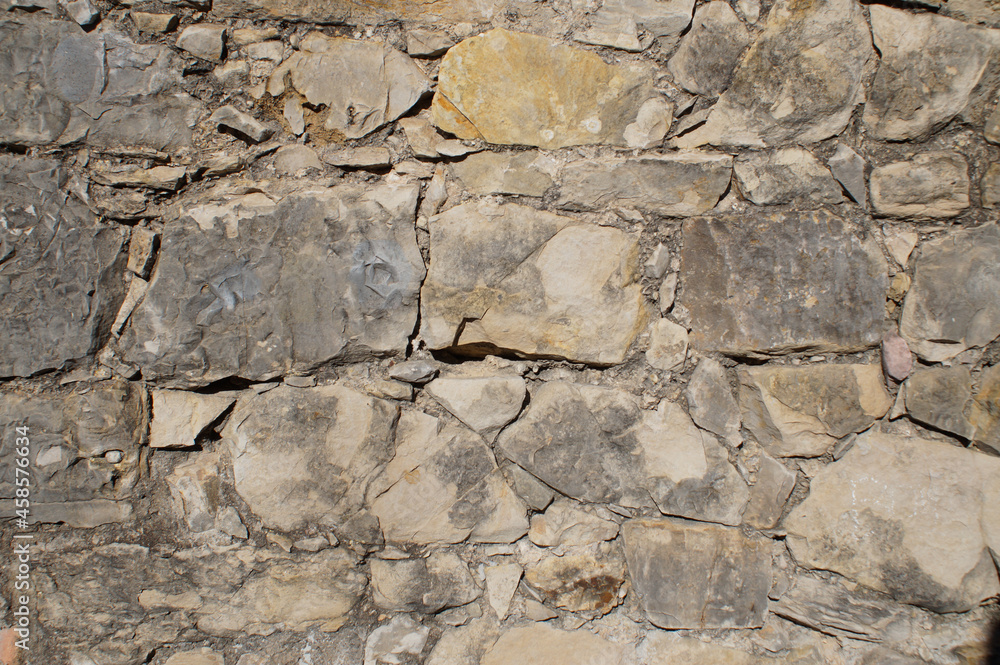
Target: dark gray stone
[
  {"x": 258, "y": 289},
  {"x": 698, "y": 576},
  {"x": 795, "y": 281},
  {"x": 711, "y": 402},
  {"x": 428, "y": 585},
  {"x": 954, "y": 302},
  {"x": 61, "y": 271},
  {"x": 709, "y": 52}
]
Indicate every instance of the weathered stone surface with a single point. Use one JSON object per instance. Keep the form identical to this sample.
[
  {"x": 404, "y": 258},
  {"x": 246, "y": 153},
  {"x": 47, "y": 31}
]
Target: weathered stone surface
[
  {"x": 180, "y": 416},
  {"x": 194, "y": 485},
  {"x": 203, "y": 40},
  {"x": 515, "y": 278},
  {"x": 769, "y": 493},
  {"x": 485, "y": 404},
  {"x": 660, "y": 647},
  {"x": 931, "y": 185},
  {"x": 501, "y": 584},
  {"x": 936, "y": 322},
  {"x": 711, "y": 402},
  {"x": 61, "y": 271},
  {"x": 428, "y": 585},
  {"x": 541, "y": 644},
  {"x": 929, "y": 68},
  {"x": 583, "y": 579},
  {"x": 465, "y": 645},
  {"x": 243, "y": 288},
  {"x": 984, "y": 412},
  {"x": 848, "y": 167},
  {"x": 363, "y": 85},
  {"x": 709, "y": 52},
  {"x": 503, "y": 87},
  {"x": 524, "y": 173},
  {"x": 394, "y": 640},
  {"x": 60, "y": 82},
  {"x": 802, "y": 411},
  {"x": 563, "y": 523},
  {"x": 534, "y": 492},
  {"x": 202, "y": 656},
  {"x": 812, "y": 284},
  {"x": 159, "y": 177},
  {"x": 798, "y": 83},
  {"x": 938, "y": 396},
  {"x": 827, "y": 606},
  {"x": 618, "y": 23},
  {"x": 296, "y": 159},
  {"x": 85, "y": 444},
  {"x": 147, "y": 22},
  {"x": 989, "y": 186},
  {"x": 897, "y": 361},
  {"x": 676, "y": 185},
  {"x": 415, "y": 370},
  {"x": 789, "y": 175},
  {"x": 913, "y": 518},
  {"x": 595, "y": 445},
  {"x": 359, "y": 158},
  {"x": 287, "y": 441},
  {"x": 244, "y": 125},
  {"x": 432, "y": 12},
  {"x": 697, "y": 576},
  {"x": 443, "y": 486},
  {"x": 427, "y": 43},
  {"x": 668, "y": 345}
]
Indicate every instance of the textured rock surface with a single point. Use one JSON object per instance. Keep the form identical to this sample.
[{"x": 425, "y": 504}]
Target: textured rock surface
[
  {"x": 582, "y": 579},
  {"x": 711, "y": 402},
  {"x": 540, "y": 643},
  {"x": 827, "y": 296},
  {"x": 512, "y": 276},
  {"x": 61, "y": 271},
  {"x": 935, "y": 323},
  {"x": 786, "y": 176},
  {"x": 422, "y": 585},
  {"x": 938, "y": 396},
  {"x": 484, "y": 404},
  {"x": 798, "y": 83},
  {"x": 802, "y": 411},
  {"x": 501, "y": 87},
  {"x": 241, "y": 286},
  {"x": 504, "y": 173},
  {"x": 906, "y": 516},
  {"x": 681, "y": 185},
  {"x": 932, "y": 184},
  {"x": 930, "y": 66},
  {"x": 687, "y": 574},
  {"x": 179, "y": 417},
  {"x": 709, "y": 52}
]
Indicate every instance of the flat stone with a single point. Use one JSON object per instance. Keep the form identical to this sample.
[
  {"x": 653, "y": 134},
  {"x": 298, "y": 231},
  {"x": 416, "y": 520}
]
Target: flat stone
[
  {"x": 829, "y": 607},
  {"x": 400, "y": 637},
  {"x": 651, "y": 124},
  {"x": 363, "y": 85},
  {"x": 276, "y": 471},
  {"x": 501, "y": 584},
  {"x": 61, "y": 271},
  {"x": 935, "y": 323},
  {"x": 769, "y": 493},
  {"x": 789, "y": 175},
  {"x": 534, "y": 492},
  {"x": 913, "y": 518},
  {"x": 245, "y": 125},
  {"x": 667, "y": 293},
  {"x": 142, "y": 251},
  {"x": 428, "y": 585},
  {"x": 538, "y": 644},
  {"x": 668, "y": 345},
  {"x": 596, "y": 445},
  {"x": 697, "y": 576},
  {"x": 709, "y": 52},
  {"x": 180, "y": 416},
  {"x": 85, "y": 446},
  {"x": 848, "y": 167},
  {"x": 984, "y": 412},
  {"x": 159, "y": 177},
  {"x": 147, "y": 22},
  {"x": 242, "y": 287},
  {"x": 76, "y": 514},
  {"x": 582, "y": 579},
  {"x": 618, "y": 23},
  {"x": 676, "y": 185},
  {"x": 523, "y": 173},
  {"x": 897, "y": 360},
  {"x": 660, "y": 647},
  {"x": 711, "y": 402},
  {"x": 84, "y": 13},
  {"x": 802, "y": 411},
  {"x": 421, "y": 135},
  {"x": 518, "y": 98},
  {"x": 929, "y": 68},
  {"x": 443, "y": 486},
  {"x": 932, "y": 185},
  {"x": 415, "y": 370},
  {"x": 359, "y": 158},
  {"x": 202, "y": 656},
  {"x": 938, "y": 396},
  {"x": 798, "y": 83},
  {"x": 434, "y": 12},
  {"x": 564, "y": 523},
  {"x": 204, "y": 41},
  {"x": 293, "y": 159},
  {"x": 989, "y": 186},
  {"x": 813, "y": 285},
  {"x": 427, "y": 43},
  {"x": 485, "y": 404},
  {"x": 162, "y": 123},
  {"x": 465, "y": 645},
  {"x": 900, "y": 242},
  {"x": 509, "y": 278}
]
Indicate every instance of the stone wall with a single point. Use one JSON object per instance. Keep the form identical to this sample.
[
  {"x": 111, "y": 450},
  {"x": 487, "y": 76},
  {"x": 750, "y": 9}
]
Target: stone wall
[{"x": 476, "y": 332}]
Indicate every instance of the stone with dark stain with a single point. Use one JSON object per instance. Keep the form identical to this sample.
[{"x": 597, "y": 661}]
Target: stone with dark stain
[{"x": 583, "y": 579}]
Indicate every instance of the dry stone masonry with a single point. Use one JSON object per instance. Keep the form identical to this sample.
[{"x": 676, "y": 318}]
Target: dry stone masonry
[{"x": 482, "y": 332}]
